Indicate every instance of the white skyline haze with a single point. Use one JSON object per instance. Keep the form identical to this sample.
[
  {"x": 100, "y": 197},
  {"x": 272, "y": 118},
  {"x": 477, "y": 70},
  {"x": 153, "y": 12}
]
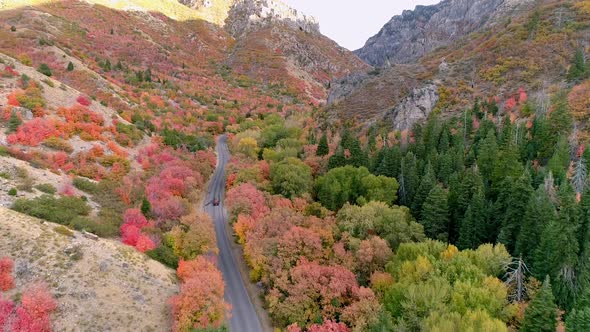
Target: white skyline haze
[{"x": 351, "y": 23}]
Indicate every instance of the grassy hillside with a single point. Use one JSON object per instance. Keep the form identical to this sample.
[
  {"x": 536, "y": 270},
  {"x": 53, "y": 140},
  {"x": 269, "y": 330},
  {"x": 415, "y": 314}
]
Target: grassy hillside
[{"x": 97, "y": 283}]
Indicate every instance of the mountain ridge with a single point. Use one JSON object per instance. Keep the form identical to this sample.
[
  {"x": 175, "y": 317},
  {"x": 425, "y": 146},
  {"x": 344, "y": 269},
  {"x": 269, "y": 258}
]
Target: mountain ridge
[{"x": 414, "y": 33}]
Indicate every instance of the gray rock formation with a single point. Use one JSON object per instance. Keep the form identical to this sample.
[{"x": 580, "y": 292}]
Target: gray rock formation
[
  {"x": 247, "y": 15},
  {"x": 339, "y": 89},
  {"x": 414, "y": 108},
  {"x": 408, "y": 37}
]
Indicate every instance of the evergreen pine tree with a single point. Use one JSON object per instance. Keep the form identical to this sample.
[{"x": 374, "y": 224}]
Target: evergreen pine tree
[
  {"x": 107, "y": 65},
  {"x": 323, "y": 148},
  {"x": 14, "y": 122},
  {"x": 431, "y": 134},
  {"x": 487, "y": 156},
  {"x": 119, "y": 65},
  {"x": 516, "y": 202},
  {"x": 541, "y": 314},
  {"x": 435, "y": 214},
  {"x": 70, "y": 66},
  {"x": 472, "y": 227},
  {"x": 578, "y": 320},
  {"x": 44, "y": 69},
  {"x": 444, "y": 141},
  {"x": 539, "y": 212},
  {"x": 560, "y": 119},
  {"x": 507, "y": 133},
  {"x": 560, "y": 161},
  {"x": 146, "y": 207},
  {"x": 445, "y": 167},
  {"x": 558, "y": 250},
  {"x": 336, "y": 160},
  {"x": 408, "y": 173},
  {"x": 391, "y": 163},
  {"x": 542, "y": 144},
  {"x": 507, "y": 168},
  {"x": 427, "y": 182},
  {"x": 578, "y": 70}
]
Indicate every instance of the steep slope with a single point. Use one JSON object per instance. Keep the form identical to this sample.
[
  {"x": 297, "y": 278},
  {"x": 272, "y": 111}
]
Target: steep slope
[
  {"x": 530, "y": 52},
  {"x": 408, "y": 37},
  {"x": 99, "y": 284},
  {"x": 279, "y": 45}
]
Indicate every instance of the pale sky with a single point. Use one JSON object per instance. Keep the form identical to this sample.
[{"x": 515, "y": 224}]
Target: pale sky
[{"x": 351, "y": 23}]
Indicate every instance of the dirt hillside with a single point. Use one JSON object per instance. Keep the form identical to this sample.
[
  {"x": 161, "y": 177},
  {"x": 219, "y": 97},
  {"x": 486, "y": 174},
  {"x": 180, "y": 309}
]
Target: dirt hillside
[{"x": 100, "y": 285}]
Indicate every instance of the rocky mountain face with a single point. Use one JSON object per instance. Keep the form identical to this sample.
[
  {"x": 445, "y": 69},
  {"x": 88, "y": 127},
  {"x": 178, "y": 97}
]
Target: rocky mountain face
[
  {"x": 492, "y": 50},
  {"x": 247, "y": 15},
  {"x": 408, "y": 37},
  {"x": 414, "y": 108}
]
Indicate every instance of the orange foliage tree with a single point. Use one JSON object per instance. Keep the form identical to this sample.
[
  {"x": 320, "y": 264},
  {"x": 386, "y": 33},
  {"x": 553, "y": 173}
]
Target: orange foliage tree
[{"x": 200, "y": 303}]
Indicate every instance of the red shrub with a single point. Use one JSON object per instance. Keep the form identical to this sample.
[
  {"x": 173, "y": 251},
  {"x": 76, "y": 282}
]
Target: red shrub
[
  {"x": 144, "y": 243},
  {"x": 6, "y": 308},
  {"x": 83, "y": 100},
  {"x": 33, "y": 314},
  {"x": 168, "y": 209},
  {"x": 67, "y": 189},
  {"x": 6, "y": 279},
  {"x": 135, "y": 217},
  {"x": 9, "y": 72},
  {"x": 130, "y": 234},
  {"x": 116, "y": 149},
  {"x": 34, "y": 132},
  {"x": 522, "y": 96},
  {"x": 12, "y": 100},
  {"x": 510, "y": 104}
]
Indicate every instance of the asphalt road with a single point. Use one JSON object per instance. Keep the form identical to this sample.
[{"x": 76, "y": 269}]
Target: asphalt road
[{"x": 243, "y": 316}]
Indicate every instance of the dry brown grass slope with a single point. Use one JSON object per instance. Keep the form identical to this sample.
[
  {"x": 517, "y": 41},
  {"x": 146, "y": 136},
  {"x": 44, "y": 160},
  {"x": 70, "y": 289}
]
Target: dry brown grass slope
[{"x": 100, "y": 285}]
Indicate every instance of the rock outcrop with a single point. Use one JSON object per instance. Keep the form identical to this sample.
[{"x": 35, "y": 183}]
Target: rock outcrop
[
  {"x": 408, "y": 37},
  {"x": 247, "y": 15},
  {"x": 414, "y": 108}
]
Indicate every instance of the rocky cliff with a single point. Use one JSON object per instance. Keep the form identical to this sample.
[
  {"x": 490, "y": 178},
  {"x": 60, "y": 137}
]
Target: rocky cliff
[
  {"x": 246, "y": 15},
  {"x": 408, "y": 37}
]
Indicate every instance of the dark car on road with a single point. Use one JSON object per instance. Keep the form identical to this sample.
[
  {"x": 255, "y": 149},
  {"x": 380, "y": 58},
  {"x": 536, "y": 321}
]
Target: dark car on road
[{"x": 215, "y": 202}]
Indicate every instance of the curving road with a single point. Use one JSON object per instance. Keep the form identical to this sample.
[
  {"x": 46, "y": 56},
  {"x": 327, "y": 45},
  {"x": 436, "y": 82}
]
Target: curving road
[{"x": 243, "y": 315}]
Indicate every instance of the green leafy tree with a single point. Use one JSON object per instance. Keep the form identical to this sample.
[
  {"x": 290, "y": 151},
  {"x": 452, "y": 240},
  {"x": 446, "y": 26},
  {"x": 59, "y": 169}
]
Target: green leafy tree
[
  {"x": 354, "y": 185},
  {"x": 290, "y": 177},
  {"x": 541, "y": 314},
  {"x": 394, "y": 224},
  {"x": 435, "y": 214},
  {"x": 70, "y": 66}
]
